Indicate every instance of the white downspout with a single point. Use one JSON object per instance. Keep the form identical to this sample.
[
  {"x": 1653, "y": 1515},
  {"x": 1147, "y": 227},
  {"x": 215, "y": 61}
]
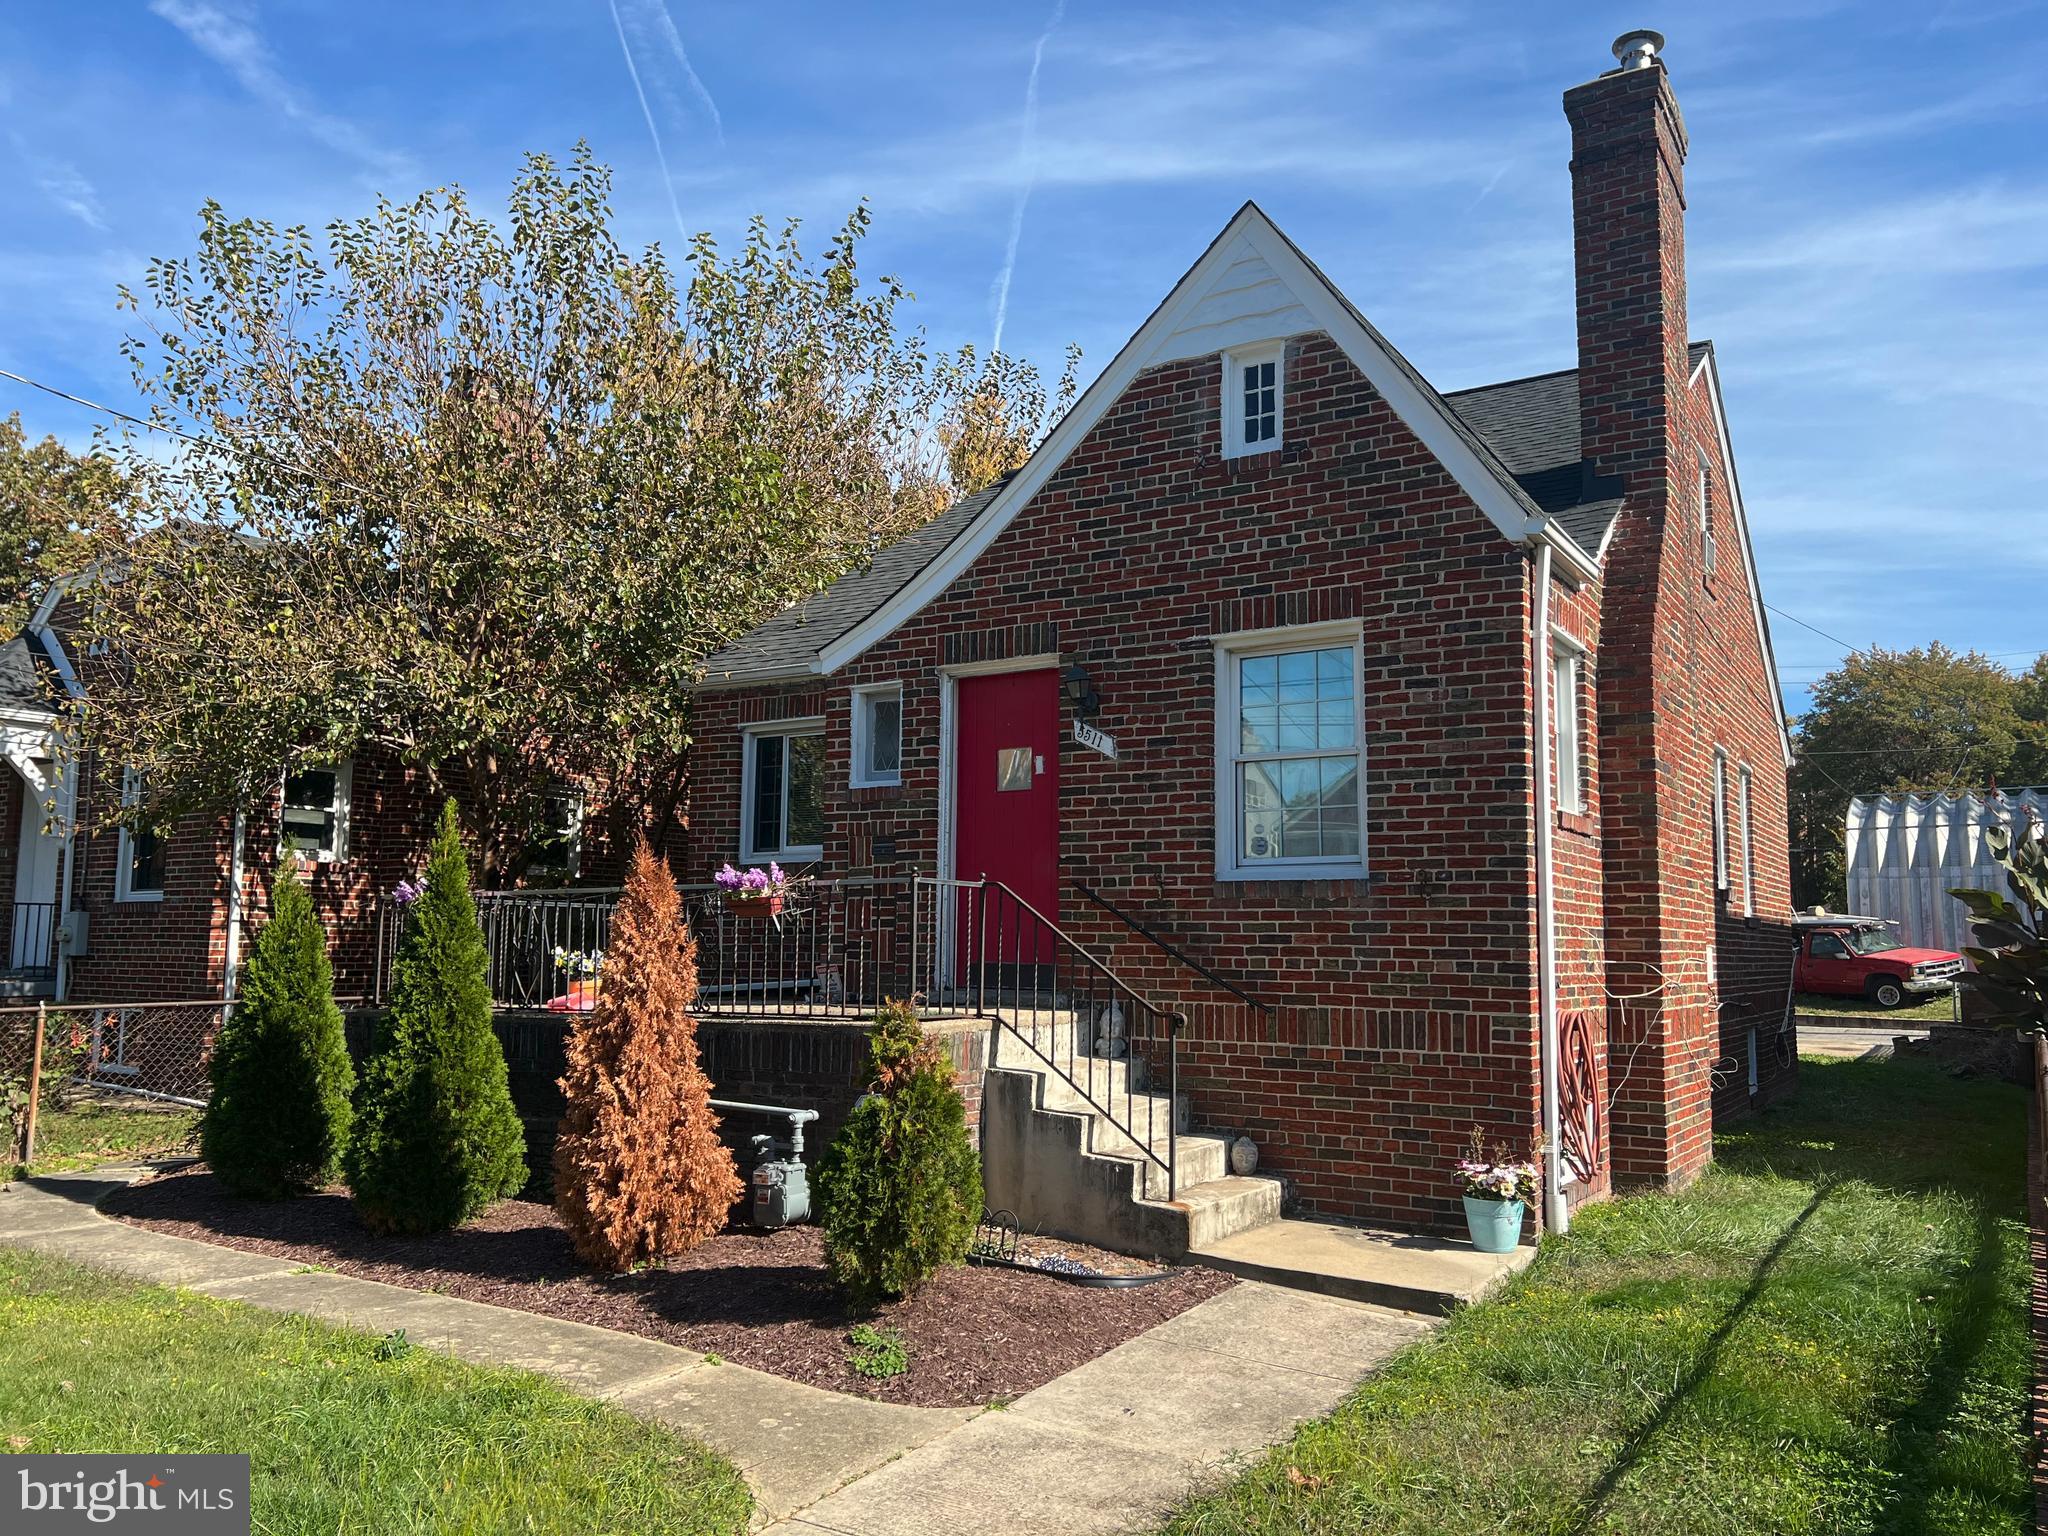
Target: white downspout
[
  {"x": 1556, "y": 1214},
  {"x": 232, "y": 953},
  {"x": 74, "y": 769}
]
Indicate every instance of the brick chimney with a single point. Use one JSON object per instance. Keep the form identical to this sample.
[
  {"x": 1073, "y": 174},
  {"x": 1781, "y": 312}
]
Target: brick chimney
[{"x": 1628, "y": 237}]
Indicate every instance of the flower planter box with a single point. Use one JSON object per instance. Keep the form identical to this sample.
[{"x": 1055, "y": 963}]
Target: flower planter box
[{"x": 753, "y": 908}]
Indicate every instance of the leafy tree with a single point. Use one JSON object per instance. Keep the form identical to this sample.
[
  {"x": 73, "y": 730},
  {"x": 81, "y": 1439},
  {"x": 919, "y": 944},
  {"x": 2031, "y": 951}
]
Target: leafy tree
[
  {"x": 2011, "y": 953},
  {"x": 640, "y": 1174},
  {"x": 436, "y": 1138},
  {"x": 1932, "y": 719},
  {"x": 51, "y": 502},
  {"x": 2030, "y": 703},
  {"x": 486, "y": 491},
  {"x": 900, "y": 1186},
  {"x": 277, "y": 1121},
  {"x": 998, "y": 408}
]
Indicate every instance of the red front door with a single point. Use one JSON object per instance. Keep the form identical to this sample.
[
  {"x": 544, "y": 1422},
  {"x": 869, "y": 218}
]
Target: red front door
[{"x": 1006, "y": 791}]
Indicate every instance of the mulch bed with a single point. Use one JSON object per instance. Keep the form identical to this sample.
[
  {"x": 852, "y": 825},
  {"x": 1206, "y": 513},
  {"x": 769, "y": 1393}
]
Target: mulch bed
[{"x": 760, "y": 1299}]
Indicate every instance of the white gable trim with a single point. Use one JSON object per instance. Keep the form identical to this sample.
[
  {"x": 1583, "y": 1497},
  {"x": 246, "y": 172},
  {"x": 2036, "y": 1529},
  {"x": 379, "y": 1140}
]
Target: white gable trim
[
  {"x": 1712, "y": 372},
  {"x": 1187, "y": 319}
]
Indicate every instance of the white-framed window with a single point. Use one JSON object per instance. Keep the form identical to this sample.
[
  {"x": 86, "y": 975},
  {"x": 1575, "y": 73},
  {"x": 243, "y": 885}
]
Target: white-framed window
[
  {"x": 877, "y": 735},
  {"x": 1720, "y": 820},
  {"x": 1254, "y": 399},
  {"x": 314, "y": 820},
  {"x": 782, "y": 791},
  {"x": 1706, "y": 494},
  {"x": 1742, "y": 806},
  {"x": 554, "y": 849},
  {"x": 1568, "y": 710},
  {"x": 139, "y": 870},
  {"x": 1290, "y": 755}
]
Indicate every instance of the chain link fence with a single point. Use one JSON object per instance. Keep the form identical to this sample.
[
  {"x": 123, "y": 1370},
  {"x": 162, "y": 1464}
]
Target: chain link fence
[{"x": 57, "y": 1058}]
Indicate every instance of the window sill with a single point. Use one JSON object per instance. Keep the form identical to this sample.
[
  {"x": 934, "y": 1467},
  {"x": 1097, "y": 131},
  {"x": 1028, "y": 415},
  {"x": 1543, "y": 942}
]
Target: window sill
[
  {"x": 1575, "y": 821},
  {"x": 1298, "y": 874},
  {"x": 781, "y": 856},
  {"x": 138, "y": 898},
  {"x": 896, "y": 783}
]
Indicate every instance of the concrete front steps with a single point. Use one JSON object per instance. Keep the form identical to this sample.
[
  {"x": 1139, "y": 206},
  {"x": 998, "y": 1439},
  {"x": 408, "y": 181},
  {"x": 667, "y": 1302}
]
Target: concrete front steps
[
  {"x": 1411, "y": 1271},
  {"x": 1061, "y": 1165}
]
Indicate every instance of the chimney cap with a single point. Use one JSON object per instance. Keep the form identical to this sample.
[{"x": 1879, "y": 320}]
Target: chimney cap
[{"x": 1638, "y": 49}]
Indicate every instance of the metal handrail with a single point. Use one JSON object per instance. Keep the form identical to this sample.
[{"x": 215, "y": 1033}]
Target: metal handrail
[
  {"x": 1172, "y": 950},
  {"x": 1007, "y": 939}
]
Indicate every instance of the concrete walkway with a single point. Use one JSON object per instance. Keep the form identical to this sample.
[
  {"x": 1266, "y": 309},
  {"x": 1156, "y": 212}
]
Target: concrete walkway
[{"x": 1105, "y": 1448}]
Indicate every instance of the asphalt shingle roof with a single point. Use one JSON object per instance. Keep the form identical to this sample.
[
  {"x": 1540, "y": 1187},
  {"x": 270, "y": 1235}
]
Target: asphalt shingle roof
[
  {"x": 1530, "y": 425},
  {"x": 24, "y": 678},
  {"x": 785, "y": 645}
]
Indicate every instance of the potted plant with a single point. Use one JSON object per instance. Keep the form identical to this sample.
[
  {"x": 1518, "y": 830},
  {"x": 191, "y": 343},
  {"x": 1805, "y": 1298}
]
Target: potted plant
[
  {"x": 754, "y": 893},
  {"x": 585, "y": 970},
  {"x": 1497, "y": 1195}
]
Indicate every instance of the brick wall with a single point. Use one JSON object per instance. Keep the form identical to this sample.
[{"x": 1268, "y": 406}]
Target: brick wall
[
  {"x": 1402, "y": 1007},
  {"x": 1681, "y": 670}
]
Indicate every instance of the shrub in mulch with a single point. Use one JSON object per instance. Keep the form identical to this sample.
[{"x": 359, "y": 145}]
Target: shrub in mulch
[
  {"x": 759, "y": 1299},
  {"x": 436, "y": 1138},
  {"x": 899, "y": 1189},
  {"x": 640, "y": 1174},
  {"x": 277, "y": 1121}
]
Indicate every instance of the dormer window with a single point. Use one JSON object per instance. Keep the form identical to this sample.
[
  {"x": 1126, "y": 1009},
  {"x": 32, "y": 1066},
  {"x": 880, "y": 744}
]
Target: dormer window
[{"x": 1253, "y": 406}]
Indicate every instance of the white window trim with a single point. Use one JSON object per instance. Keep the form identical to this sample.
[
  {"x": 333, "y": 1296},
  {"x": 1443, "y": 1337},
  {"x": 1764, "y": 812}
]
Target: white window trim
[
  {"x": 809, "y": 725},
  {"x": 1234, "y": 362},
  {"x": 1709, "y": 555},
  {"x": 1742, "y": 802},
  {"x": 344, "y": 795},
  {"x": 131, "y": 792},
  {"x": 857, "y": 774},
  {"x": 1229, "y": 649},
  {"x": 1566, "y": 647},
  {"x": 1720, "y": 819}
]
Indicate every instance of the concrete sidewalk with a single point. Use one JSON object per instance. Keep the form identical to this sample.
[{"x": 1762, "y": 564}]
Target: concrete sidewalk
[{"x": 1107, "y": 1447}]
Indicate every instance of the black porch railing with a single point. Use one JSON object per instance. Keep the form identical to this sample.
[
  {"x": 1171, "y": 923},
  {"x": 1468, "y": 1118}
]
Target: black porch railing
[
  {"x": 835, "y": 949},
  {"x": 987, "y": 950},
  {"x": 29, "y": 930}
]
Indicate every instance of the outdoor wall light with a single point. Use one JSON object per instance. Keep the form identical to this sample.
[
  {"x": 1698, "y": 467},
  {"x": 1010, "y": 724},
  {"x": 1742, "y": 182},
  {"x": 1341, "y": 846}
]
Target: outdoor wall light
[{"x": 1080, "y": 691}]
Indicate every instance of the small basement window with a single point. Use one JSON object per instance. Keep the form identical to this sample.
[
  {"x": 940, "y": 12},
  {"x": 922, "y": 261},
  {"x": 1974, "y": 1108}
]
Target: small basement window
[
  {"x": 782, "y": 781},
  {"x": 878, "y": 736},
  {"x": 314, "y": 821},
  {"x": 1253, "y": 400}
]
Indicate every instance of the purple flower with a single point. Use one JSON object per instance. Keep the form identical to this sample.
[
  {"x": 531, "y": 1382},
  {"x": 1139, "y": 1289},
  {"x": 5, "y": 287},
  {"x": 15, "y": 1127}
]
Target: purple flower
[
  {"x": 409, "y": 891},
  {"x": 727, "y": 878}
]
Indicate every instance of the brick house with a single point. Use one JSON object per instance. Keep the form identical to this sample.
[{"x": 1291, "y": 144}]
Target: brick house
[
  {"x": 101, "y": 913},
  {"x": 1420, "y": 754}
]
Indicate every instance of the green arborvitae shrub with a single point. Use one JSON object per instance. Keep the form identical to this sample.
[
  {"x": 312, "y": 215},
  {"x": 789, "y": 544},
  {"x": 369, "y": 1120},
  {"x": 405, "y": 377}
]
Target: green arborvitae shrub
[
  {"x": 436, "y": 1137},
  {"x": 900, "y": 1186},
  {"x": 277, "y": 1121}
]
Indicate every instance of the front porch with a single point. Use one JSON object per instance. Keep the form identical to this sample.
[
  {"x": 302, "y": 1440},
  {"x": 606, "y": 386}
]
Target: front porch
[{"x": 29, "y": 790}]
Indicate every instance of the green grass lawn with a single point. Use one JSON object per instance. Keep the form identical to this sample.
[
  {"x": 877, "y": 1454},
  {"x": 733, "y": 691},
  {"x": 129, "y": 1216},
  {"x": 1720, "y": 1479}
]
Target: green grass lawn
[
  {"x": 88, "y": 1132},
  {"x": 339, "y": 1440},
  {"x": 1827, "y": 1333},
  {"x": 1936, "y": 1009}
]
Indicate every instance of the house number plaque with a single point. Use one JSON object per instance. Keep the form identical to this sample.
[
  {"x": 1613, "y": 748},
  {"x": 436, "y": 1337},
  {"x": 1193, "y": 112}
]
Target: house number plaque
[{"x": 1096, "y": 741}]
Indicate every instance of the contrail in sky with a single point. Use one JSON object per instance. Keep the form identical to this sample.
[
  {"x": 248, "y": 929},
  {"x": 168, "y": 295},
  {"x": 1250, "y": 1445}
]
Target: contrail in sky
[
  {"x": 660, "y": 155},
  {"x": 675, "y": 43},
  {"x": 1027, "y": 165}
]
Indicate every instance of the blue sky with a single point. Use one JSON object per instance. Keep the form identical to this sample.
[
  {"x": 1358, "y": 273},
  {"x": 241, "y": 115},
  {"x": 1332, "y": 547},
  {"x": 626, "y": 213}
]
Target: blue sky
[{"x": 1868, "y": 221}]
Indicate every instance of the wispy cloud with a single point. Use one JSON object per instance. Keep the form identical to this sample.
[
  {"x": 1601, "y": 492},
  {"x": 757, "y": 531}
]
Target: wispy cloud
[
  {"x": 63, "y": 183},
  {"x": 668, "y": 183},
  {"x": 240, "y": 49},
  {"x": 1027, "y": 176}
]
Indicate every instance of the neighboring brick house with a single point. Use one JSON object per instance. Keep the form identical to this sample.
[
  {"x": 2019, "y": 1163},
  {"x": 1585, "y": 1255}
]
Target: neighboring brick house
[
  {"x": 1318, "y": 610},
  {"x": 106, "y": 914}
]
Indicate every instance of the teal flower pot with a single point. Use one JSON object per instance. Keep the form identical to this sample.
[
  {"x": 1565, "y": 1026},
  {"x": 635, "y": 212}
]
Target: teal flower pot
[{"x": 1496, "y": 1224}]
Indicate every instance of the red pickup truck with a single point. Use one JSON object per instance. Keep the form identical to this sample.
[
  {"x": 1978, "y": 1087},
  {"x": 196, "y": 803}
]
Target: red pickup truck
[{"x": 1858, "y": 957}]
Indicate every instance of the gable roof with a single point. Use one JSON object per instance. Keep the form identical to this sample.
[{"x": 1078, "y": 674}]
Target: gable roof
[{"x": 1502, "y": 444}]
